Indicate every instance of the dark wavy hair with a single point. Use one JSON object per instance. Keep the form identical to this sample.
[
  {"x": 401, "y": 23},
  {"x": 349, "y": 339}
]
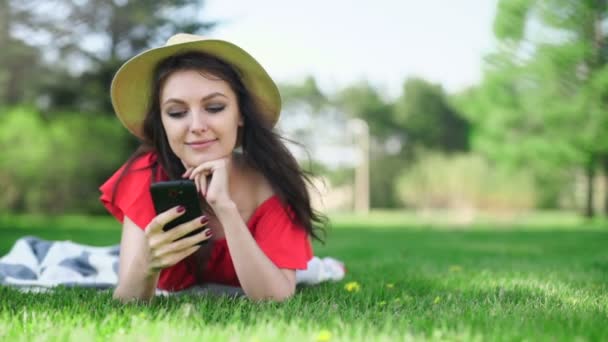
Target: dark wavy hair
[{"x": 263, "y": 148}]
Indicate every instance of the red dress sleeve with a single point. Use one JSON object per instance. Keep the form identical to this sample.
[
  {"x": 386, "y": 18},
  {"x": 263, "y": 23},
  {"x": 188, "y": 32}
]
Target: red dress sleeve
[
  {"x": 133, "y": 200},
  {"x": 132, "y": 196},
  {"x": 286, "y": 244}
]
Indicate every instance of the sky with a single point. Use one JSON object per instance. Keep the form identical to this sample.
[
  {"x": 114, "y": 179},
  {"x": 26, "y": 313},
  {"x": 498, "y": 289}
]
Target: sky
[{"x": 341, "y": 42}]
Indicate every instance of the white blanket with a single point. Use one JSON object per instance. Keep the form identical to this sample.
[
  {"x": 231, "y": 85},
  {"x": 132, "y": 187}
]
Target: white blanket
[{"x": 34, "y": 264}]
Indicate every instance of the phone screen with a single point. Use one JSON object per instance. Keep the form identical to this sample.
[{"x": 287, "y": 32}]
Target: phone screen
[{"x": 169, "y": 194}]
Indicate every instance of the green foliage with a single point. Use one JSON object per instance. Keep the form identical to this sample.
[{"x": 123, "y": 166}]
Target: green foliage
[
  {"x": 307, "y": 92},
  {"x": 511, "y": 23},
  {"x": 421, "y": 117},
  {"x": 364, "y": 102},
  {"x": 542, "y": 101},
  {"x": 464, "y": 182},
  {"x": 89, "y": 41},
  {"x": 384, "y": 170},
  {"x": 428, "y": 118},
  {"x": 438, "y": 283},
  {"x": 57, "y": 165},
  {"x": 19, "y": 61}
]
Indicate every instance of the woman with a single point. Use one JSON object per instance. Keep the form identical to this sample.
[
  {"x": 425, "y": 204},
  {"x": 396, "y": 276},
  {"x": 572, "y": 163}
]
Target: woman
[{"x": 204, "y": 110}]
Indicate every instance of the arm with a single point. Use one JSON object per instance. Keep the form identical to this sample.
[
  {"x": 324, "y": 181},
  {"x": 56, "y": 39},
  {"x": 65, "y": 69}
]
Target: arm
[
  {"x": 134, "y": 282},
  {"x": 258, "y": 275},
  {"x": 143, "y": 254}
]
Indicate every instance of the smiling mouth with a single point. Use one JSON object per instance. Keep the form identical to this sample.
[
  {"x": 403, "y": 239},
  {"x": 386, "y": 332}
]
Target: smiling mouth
[{"x": 201, "y": 144}]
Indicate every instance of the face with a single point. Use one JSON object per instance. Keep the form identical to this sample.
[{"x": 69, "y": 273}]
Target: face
[{"x": 200, "y": 116}]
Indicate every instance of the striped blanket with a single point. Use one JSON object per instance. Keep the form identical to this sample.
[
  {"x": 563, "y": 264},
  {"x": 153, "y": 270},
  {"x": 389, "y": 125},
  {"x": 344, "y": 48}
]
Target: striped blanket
[{"x": 34, "y": 264}]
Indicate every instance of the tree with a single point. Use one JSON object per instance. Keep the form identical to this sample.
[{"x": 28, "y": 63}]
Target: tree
[
  {"x": 543, "y": 98},
  {"x": 91, "y": 39},
  {"x": 386, "y": 158},
  {"x": 364, "y": 102},
  {"x": 429, "y": 120},
  {"x": 20, "y": 62}
]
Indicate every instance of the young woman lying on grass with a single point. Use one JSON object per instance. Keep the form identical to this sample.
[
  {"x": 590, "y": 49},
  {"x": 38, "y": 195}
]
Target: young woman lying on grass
[{"x": 205, "y": 110}]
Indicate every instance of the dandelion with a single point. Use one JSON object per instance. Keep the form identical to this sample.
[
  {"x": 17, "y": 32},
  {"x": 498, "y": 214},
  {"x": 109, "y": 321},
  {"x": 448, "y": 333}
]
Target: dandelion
[
  {"x": 353, "y": 286},
  {"x": 390, "y": 286},
  {"x": 324, "y": 336},
  {"x": 455, "y": 268}
]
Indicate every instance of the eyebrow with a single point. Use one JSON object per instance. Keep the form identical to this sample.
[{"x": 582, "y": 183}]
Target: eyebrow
[{"x": 212, "y": 95}]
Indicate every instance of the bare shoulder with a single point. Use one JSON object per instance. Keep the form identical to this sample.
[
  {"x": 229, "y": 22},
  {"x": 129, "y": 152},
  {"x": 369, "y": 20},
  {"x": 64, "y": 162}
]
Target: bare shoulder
[{"x": 256, "y": 189}]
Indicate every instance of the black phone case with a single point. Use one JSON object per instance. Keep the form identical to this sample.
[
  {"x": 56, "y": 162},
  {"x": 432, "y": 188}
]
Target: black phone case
[{"x": 169, "y": 194}]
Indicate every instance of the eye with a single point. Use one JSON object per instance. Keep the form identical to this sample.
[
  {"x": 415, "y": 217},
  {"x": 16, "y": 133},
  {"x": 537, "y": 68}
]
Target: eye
[
  {"x": 176, "y": 114},
  {"x": 215, "y": 108}
]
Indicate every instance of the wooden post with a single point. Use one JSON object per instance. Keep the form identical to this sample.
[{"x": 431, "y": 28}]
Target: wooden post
[{"x": 361, "y": 191}]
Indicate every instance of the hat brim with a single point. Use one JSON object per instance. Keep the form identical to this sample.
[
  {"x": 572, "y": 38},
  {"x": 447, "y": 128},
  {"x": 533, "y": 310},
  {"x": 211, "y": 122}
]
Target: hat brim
[{"x": 131, "y": 86}]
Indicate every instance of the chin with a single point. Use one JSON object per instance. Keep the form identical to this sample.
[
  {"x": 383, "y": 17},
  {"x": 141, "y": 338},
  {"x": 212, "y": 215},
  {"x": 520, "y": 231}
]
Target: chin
[{"x": 198, "y": 159}]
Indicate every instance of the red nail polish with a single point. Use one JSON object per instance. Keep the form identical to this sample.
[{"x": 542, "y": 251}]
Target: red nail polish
[
  {"x": 208, "y": 233},
  {"x": 204, "y": 219},
  {"x": 181, "y": 209}
]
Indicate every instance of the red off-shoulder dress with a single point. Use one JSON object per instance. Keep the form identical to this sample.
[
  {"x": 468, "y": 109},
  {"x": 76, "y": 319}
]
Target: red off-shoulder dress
[{"x": 286, "y": 244}]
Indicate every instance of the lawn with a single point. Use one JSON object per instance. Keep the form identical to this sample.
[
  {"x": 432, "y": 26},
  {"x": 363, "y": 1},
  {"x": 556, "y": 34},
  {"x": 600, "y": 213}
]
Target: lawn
[{"x": 543, "y": 278}]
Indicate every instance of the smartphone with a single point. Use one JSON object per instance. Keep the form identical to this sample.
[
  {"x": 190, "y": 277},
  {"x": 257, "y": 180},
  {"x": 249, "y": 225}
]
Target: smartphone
[{"x": 169, "y": 194}]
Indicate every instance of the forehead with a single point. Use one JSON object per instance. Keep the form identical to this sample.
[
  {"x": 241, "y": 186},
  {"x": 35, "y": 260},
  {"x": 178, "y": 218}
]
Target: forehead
[{"x": 185, "y": 84}]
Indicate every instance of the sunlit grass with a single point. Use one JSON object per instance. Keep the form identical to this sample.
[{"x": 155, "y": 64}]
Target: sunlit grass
[{"x": 405, "y": 281}]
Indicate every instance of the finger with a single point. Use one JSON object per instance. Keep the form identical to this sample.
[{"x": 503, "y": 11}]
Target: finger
[
  {"x": 186, "y": 174},
  {"x": 185, "y": 229},
  {"x": 194, "y": 177},
  {"x": 198, "y": 186},
  {"x": 174, "y": 258},
  {"x": 183, "y": 244},
  {"x": 160, "y": 220},
  {"x": 202, "y": 179},
  {"x": 206, "y": 168}
]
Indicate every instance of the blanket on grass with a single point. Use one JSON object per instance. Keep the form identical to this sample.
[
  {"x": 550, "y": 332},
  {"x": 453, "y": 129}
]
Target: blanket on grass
[{"x": 34, "y": 264}]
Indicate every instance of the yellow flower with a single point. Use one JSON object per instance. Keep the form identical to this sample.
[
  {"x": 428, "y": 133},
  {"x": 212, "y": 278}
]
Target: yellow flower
[
  {"x": 390, "y": 285},
  {"x": 455, "y": 268},
  {"x": 353, "y": 286},
  {"x": 324, "y": 336},
  {"x": 437, "y": 300}
]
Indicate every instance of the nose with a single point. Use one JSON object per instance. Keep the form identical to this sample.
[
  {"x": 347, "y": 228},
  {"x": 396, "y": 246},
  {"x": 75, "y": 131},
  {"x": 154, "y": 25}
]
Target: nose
[{"x": 198, "y": 123}]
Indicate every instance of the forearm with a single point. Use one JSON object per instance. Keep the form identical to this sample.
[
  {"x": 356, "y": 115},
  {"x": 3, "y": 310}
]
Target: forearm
[
  {"x": 136, "y": 283},
  {"x": 260, "y": 278}
]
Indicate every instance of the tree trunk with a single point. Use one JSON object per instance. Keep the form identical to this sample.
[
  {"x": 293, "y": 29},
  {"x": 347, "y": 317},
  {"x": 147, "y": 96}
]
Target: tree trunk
[
  {"x": 4, "y": 42},
  {"x": 590, "y": 173}
]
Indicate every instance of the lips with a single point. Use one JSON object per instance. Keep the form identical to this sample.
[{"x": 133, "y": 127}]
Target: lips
[{"x": 201, "y": 143}]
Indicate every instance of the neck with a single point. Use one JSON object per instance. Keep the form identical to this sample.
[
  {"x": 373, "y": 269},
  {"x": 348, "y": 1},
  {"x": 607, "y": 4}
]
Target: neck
[{"x": 236, "y": 172}]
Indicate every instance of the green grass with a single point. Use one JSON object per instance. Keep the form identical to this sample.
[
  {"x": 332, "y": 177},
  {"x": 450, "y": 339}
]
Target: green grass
[{"x": 536, "y": 278}]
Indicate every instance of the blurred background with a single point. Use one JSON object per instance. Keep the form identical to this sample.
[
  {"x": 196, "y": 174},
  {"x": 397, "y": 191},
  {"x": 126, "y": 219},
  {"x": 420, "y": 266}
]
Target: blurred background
[{"x": 465, "y": 108}]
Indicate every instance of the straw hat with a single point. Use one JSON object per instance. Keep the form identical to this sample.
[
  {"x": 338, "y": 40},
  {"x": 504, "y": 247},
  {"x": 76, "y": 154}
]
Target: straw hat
[{"x": 131, "y": 86}]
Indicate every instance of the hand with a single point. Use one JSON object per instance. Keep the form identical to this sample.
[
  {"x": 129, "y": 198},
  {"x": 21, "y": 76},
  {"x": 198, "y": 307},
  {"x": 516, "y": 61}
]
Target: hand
[
  {"x": 211, "y": 179},
  {"x": 163, "y": 249}
]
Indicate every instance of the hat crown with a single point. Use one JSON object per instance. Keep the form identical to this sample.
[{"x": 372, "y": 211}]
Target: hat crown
[
  {"x": 183, "y": 38},
  {"x": 130, "y": 89}
]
